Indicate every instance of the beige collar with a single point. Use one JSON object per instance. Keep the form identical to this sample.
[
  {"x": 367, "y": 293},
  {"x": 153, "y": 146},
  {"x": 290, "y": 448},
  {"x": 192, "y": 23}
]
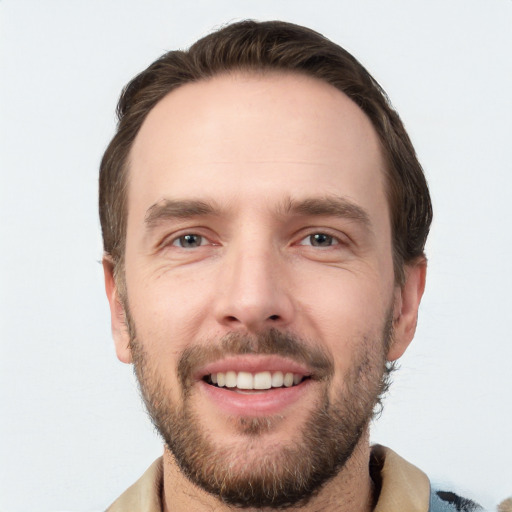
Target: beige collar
[
  {"x": 144, "y": 494},
  {"x": 403, "y": 487}
]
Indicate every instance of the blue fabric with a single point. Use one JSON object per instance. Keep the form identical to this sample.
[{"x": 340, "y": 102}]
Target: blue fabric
[{"x": 447, "y": 501}]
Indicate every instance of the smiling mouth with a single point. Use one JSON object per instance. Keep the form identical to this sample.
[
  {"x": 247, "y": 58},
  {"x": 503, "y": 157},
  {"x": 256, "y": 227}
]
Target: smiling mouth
[{"x": 247, "y": 381}]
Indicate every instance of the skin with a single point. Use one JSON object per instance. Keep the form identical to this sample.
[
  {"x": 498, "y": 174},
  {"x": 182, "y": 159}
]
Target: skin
[{"x": 251, "y": 144}]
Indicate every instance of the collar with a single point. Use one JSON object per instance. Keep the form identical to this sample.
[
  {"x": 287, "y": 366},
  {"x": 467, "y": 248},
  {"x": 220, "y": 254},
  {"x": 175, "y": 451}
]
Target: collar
[
  {"x": 144, "y": 494},
  {"x": 403, "y": 487}
]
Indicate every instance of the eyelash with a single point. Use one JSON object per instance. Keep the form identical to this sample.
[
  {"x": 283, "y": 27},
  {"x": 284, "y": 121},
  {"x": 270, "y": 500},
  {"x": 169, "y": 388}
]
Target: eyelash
[{"x": 332, "y": 240}]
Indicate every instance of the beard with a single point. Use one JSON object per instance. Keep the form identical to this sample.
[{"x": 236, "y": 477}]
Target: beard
[{"x": 252, "y": 474}]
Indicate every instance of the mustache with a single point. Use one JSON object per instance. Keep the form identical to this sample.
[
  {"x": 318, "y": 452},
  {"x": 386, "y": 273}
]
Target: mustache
[{"x": 271, "y": 342}]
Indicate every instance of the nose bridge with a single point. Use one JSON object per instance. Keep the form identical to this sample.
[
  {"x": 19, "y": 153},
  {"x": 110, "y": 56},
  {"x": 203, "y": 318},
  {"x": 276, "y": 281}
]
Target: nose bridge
[{"x": 253, "y": 294}]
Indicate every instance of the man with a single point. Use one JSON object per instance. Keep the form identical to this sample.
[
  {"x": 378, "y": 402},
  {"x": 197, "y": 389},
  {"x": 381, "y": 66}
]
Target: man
[{"x": 264, "y": 220}]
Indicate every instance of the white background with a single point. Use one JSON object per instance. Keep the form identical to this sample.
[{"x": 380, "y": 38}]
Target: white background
[{"x": 73, "y": 434}]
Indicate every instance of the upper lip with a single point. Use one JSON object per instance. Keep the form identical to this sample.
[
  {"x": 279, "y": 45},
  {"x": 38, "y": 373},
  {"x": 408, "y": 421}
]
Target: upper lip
[{"x": 253, "y": 364}]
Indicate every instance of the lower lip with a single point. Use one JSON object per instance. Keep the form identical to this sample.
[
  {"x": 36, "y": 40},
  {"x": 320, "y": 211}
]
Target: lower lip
[{"x": 263, "y": 403}]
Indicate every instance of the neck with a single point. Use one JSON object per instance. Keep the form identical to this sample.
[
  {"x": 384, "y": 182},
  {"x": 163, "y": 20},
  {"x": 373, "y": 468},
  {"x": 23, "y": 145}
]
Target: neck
[{"x": 351, "y": 489}]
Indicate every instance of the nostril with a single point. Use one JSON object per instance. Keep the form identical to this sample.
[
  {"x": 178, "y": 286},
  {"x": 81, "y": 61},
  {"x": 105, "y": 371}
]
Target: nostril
[
  {"x": 273, "y": 317},
  {"x": 232, "y": 319}
]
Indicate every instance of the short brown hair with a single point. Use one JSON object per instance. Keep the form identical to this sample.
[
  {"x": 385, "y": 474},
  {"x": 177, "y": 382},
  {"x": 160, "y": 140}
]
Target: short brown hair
[{"x": 260, "y": 46}]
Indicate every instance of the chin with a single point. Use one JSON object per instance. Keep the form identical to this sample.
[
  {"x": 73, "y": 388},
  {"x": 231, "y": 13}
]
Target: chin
[{"x": 272, "y": 460}]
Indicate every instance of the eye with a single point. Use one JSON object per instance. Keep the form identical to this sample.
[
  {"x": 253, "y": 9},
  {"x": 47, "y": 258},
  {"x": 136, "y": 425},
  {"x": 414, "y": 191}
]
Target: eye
[
  {"x": 320, "y": 240},
  {"x": 189, "y": 241}
]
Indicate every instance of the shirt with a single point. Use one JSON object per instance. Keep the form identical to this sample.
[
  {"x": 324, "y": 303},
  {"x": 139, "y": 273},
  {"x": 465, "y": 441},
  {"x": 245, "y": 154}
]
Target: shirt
[{"x": 403, "y": 488}]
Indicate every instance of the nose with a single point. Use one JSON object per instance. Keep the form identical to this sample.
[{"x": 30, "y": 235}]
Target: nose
[{"x": 253, "y": 290}]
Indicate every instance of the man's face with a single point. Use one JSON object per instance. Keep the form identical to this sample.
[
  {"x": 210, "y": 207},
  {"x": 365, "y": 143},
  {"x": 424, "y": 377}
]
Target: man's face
[{"x": 258, "y": 255}]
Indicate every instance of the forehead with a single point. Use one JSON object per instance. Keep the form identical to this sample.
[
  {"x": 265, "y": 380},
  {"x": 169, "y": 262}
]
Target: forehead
[{"x": 254, "y": 136}]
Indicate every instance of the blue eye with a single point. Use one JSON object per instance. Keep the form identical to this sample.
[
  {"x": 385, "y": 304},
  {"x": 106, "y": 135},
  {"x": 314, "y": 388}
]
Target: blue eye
[
  {"x": 189, "y": 241},
  {"x": 320, "y": 240}
]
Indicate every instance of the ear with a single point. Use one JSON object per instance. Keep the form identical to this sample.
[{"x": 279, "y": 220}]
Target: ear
[
  {"x": 117, "y": 313},
  {"x": 407, "y": 302}
]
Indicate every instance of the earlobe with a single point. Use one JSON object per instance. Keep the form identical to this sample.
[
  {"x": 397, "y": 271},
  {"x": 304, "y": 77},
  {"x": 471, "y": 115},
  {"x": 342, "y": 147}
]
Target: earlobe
[
  {"x": 407, "y": 302},
  {"x": 117, "y": 313}
]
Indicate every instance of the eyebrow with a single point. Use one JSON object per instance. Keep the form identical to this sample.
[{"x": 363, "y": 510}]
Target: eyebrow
[
  {"x": 168, "y": 209},
  {"x": 331, "y": 206}
]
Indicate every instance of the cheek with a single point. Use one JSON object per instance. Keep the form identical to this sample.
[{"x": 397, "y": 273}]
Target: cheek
[
  {"x": 168, "y": 312},
  {"x": 346, "y": 313},
  {"x": 344, "y": 298}
]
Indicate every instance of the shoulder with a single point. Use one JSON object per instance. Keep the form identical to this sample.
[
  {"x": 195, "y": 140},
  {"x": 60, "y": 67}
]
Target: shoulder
[
  {"x": 448, "y": 501},
  {"x": 402, "y": 486}
]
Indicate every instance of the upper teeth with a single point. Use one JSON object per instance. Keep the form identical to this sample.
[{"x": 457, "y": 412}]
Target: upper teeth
[{"x": 261, "y": 380}]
